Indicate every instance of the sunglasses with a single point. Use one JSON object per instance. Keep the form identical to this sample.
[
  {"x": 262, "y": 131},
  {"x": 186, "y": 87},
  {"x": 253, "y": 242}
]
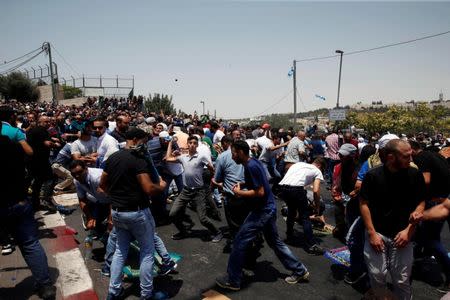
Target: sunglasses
[{"x": 98, "y": 127}]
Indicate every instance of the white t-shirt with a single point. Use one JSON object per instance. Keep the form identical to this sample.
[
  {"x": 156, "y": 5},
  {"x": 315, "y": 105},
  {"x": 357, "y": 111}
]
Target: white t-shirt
[
  {"x": 218, "y": 136},
  {"x": 301, "y": 174},
  {"x": 107, "y": 145},
  {"x": 84, "y": 147},
  {"x": 264, "y": 143}
]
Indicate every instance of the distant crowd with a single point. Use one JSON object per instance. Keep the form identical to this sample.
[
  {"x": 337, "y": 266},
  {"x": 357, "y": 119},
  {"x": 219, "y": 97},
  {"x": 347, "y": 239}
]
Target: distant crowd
[{"x": 134, "y": 170}]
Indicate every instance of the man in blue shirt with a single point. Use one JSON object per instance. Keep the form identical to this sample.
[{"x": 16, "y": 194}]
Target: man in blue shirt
[
  {"x": 262, "y": 218},
  {"x": 8, "y": 119}
]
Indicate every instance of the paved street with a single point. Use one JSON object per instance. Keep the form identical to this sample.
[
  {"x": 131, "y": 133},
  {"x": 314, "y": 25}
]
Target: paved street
[{"x": 202, "y": 262}]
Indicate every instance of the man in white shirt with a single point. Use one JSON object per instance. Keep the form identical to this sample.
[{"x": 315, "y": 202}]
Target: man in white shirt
[
  {"x": 269, "y": 150},
  {"x": 298, "y": 177},
  {"x": 218, "y": 134},
  {"x": 106, "y": 144}
]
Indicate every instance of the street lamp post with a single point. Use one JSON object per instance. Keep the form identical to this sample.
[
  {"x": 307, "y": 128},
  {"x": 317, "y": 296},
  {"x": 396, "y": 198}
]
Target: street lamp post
[
  {"x": 339, "y": 82},
  {"x": 203, "y": 103}
]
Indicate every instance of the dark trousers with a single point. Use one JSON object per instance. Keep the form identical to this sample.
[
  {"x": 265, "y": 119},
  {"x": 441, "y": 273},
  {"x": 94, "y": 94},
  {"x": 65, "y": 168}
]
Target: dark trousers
[
  {"x": 178, "y": 211},
  {"x": 355, "y": 244},
  {"x": 256, "y": 222},
  {"x": 296, "y": 201},
  {"x": 42, "y": 179},
  {"x": 19, "y": 219},
  {"x": 235, "y": 213},
  {"x": 429, "y": 241},
  {"x": 330, "y": 168}
]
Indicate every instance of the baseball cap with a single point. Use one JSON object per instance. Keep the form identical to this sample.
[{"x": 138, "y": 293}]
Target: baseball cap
[{"x": 347, "y": 149}]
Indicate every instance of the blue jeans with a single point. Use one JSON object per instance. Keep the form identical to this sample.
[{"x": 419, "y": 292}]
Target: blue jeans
[
  {"x": 355, "y": 243},
  {"x": 137, "y": 225},
  {"x": 20, "y": 221},
  {"x": 260, "y": 221},
  {"x": 111, "y": 248}
]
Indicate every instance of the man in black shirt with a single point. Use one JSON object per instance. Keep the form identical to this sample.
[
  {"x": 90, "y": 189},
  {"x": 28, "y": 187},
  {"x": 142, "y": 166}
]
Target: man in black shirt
[
  {"x": 17, "y": 216},
  {"x": 389, "y": 194},
  {"x": 127, "y": 180},
  {"x": 436, "y": 174},
  {"x": 39, "y": 167}
]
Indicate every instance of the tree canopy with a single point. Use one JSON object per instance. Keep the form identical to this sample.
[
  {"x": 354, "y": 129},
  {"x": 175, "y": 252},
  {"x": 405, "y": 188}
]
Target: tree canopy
[
  {"x": 158, "y": 103},
  {"x": 17, "y": 86}
]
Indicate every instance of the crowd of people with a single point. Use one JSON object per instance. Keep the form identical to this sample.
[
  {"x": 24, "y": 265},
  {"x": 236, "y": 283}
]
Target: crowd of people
[{"x": 389, "y": 192}]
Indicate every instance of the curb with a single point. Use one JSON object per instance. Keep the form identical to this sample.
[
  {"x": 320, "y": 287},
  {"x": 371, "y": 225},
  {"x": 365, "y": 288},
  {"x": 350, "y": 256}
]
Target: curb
[{"x": 74, "y": 281}]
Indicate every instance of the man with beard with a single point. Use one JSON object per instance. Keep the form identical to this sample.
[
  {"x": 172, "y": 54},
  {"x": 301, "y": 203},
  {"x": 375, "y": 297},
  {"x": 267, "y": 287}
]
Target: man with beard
[
  {"x": 262, "y": 218},
  {"x": 389, "y": 194},
  {"x": 122, "y": 124},
  {"x": 106, "y": 144},
  {"x": 127, "y": 179}
]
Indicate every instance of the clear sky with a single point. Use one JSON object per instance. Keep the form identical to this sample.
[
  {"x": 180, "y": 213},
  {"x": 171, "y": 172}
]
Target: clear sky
[{"x": 235, "y": 55}]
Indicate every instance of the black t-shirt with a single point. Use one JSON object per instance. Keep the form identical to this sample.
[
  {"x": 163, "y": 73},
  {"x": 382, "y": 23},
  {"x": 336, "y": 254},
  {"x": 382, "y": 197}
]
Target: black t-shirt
[
  {"x": 124, "y": 189},
  {"x": 438, "y": 167},
  {"x": 392, "y": 197},
  {"x": 36, "y": 138},
  {"x": 120, "y": 137},
  {"x": 12, "y": 186}
]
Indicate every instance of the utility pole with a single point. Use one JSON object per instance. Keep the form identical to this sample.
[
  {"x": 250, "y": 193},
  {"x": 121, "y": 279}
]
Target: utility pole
[
  {"x": 46, "y": 46},
  {"x": 295, "y": 91},
  {"x": 339, "y": 82}
]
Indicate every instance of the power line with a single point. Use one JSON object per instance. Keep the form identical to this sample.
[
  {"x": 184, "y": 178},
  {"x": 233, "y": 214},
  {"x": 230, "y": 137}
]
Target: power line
[
  {"x": 12, "y": 60},
  {"x": 376, "y": 48},
  {"x": 279, "y": 101},
  {"x": 301, "y": 100},
  {"x": 21, "y": 64},
  {"x": 67, "y": 63}
]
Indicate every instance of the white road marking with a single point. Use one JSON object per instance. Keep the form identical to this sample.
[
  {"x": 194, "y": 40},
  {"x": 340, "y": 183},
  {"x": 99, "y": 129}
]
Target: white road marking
[{"x": 73, "y": 277}]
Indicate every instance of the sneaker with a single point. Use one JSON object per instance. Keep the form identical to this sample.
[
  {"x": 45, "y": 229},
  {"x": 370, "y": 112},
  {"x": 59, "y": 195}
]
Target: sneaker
[
  {"x": 315, "y": 250},
  {"x": 444, "y": 289},
  {"x": 7, "y": 249},
  {"x": 167, "y": 268},
  {"x": 116, "y": 297},
  {"x": 47, "y": 292},
  {"x": 106, "y": 271},
  {"x": 218, "y": 237},
  {"x": 294, "y": 278},
  {"x": 159, "y": 295},
  {"x": 179, "y": 236},
  {"x": 224, "y": 283}
]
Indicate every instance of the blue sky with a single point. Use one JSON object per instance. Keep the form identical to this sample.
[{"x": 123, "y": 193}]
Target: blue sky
[{"x": 235, "y": 55}]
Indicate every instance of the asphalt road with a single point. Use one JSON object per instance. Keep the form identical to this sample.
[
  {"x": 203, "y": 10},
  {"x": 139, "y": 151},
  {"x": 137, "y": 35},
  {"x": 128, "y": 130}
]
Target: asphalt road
[{"x": 203, "y": 261}]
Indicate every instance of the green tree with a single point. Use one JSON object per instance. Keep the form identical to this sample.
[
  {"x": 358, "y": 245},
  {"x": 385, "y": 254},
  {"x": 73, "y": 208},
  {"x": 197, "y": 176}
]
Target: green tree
[
  {"x": 158, "y": 103},
  {"x": 71, "y": 92},
  {"x": 17, "y": 86},
  {"x": 277, "y": 120}
]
